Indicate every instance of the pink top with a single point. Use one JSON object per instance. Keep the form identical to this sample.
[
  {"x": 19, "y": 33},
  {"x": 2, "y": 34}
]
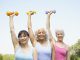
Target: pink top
[{"x": 61, "y": 53}]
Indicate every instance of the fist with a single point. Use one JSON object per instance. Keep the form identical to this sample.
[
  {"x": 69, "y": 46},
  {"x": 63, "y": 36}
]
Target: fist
[{"x": 9, "y": 13}]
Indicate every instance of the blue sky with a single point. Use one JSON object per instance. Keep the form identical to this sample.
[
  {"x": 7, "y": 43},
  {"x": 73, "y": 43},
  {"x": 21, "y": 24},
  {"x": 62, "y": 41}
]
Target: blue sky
[{"x": 67, "y": 17}]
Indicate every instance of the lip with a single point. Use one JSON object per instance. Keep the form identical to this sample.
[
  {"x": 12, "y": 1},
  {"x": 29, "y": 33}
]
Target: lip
[
  {"x": 22, "y": 40},
  {"x": 41, "y": 36}
]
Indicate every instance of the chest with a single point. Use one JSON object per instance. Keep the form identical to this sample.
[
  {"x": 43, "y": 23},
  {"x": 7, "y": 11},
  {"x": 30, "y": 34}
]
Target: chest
[
  {"x": 20, "y": 54},
  {"x": 43, "y": 49}
]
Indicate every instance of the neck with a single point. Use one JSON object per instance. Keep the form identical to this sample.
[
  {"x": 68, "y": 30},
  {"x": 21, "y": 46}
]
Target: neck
[
  {"x": 42, "y": 41},
  {"x": 24, "y": 45},
  {"x": 60, "y": 41}
]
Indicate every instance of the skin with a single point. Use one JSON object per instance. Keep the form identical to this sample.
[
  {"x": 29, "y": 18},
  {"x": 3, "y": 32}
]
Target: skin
[
  {"x": 59, "y": 35},
  {"x": 40, "y": 36},
  {"x": 23, "y": 40}
]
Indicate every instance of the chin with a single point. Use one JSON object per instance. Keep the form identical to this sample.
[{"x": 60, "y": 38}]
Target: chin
[
  {"x": 24, "y": 42},
  {"x": 41, "y": 38},
  {"x": 61, "y": 40}
]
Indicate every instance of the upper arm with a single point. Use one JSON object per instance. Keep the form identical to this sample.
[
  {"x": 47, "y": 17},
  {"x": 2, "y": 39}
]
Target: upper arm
[
  {"x": 52, "y": 41},
  {"x": 53, "y": 52},
  {"x": 35, "y": 54},
  {"x": 14, "y": 39},
  {"x": 68, "y": 53},
  {"x": 32, "y": 37}
]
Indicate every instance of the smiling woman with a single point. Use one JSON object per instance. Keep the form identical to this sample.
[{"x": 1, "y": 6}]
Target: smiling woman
[
  {"x": 22, "y": 50},
  {"x": 43, "y": 46},
  {"x": 41, "y": 35},
  {"x": 61, "y": 49}
]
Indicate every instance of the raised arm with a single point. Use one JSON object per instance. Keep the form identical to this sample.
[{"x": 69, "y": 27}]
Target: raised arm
[
  {"x": 52, "y": 40},
  {"x": 13, "y": 35},
  {"x": 31, "y": 34}
]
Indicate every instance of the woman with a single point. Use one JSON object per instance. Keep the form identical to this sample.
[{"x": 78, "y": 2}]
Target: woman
[
  {"x": 43, "y": 46},
  {"x": 22, "y": 50},
  {"x": 61, "y": 49}
]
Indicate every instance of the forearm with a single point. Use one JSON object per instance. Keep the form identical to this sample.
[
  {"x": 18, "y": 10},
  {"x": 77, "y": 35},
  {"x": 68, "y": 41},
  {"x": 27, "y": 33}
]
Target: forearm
[
  {"x": 35, "y": 55},
  {"x": 68, "y": 55},
  {"x": 11, "y": 24},
  {"x": 48, "y": 22},
  {"x": 53, "y": 53},
  {"x": 29, "y": 22}
]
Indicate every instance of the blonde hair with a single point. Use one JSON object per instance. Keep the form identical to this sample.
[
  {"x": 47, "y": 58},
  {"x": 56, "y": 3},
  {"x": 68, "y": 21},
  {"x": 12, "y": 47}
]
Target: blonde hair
[{"x": 36, "y": 32}]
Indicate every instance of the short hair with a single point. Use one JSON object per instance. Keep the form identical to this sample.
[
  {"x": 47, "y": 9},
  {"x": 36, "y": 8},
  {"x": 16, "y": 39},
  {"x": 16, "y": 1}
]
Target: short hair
[
  {"x": 60, "y": 30},
  {"x": 23, "y": 32}
]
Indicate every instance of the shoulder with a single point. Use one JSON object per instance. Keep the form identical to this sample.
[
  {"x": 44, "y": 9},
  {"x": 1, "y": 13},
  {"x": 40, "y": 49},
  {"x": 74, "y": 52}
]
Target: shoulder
[
  {"x": 67, "y": 47},
  {"x": 34, "y": 50},
  {"x": 37, "y": 44},
  {"x": 17, "y": 48}
]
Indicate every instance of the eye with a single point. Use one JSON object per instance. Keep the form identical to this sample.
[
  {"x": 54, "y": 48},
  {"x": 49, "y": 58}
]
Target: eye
[
  {"x": 43, "y": 32},
  {"x": 24, "y": 35},
  {"x": 58, "y": 34},
  {"x": 39, "y": 32}
]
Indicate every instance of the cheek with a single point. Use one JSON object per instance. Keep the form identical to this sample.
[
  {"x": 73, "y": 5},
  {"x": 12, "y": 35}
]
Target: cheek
[
  {"x": 19, "y": 42},
  {"x": 20, "y": 39},
  {"x": 38, "y": 35},
  {"x": 27, "y": 38}
]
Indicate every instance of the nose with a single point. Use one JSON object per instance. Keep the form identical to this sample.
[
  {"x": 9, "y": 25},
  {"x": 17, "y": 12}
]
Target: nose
[
  {"x": 41, "y": 33},
  {"x": 60, "y": 35},
  {"x": 22, "y": 38}
]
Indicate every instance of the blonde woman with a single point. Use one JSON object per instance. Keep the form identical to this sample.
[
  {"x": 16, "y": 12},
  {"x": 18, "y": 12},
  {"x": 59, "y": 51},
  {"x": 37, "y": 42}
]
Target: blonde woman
[{"x": 43, "y": 46}]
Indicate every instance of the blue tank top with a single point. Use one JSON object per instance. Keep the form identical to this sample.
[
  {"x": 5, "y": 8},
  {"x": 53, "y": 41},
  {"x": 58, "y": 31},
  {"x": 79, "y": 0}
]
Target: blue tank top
[
  {"x": 20, "y": 55},
  {"x": 44, "y": 52}
]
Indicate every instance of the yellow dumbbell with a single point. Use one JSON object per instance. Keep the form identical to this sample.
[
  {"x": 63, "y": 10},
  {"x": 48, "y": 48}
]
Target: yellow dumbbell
[
  {"x": 9, "y": 13},
  {"x": 31, "y": 12},
  {"x": 16, "y": 13}
]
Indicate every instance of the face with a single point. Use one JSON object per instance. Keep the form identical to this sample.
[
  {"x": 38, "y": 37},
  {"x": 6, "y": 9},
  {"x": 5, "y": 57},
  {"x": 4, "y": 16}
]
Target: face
[
  {"x": 60, "y": 35},
  {"x": 23, "y": 39},
  {"x": 41, "y": 34}
]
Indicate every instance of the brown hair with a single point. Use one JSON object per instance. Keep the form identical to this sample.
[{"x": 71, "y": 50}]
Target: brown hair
[{"x": 24, "y": 32}]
